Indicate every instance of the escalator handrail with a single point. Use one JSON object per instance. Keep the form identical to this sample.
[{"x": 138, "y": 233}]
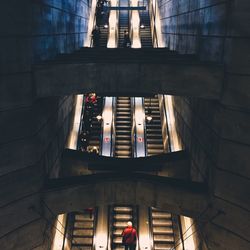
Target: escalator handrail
[
  {"x": 81, "y": 120},
  {"x": 145, "y": 131},
  {"x": 168, "y": 134},
  {"x": 133, "y": 130},
  {"x": 113, "y": 130},
  {"x": 152, "y": 10},
  {"x": 101, "y": 136}
]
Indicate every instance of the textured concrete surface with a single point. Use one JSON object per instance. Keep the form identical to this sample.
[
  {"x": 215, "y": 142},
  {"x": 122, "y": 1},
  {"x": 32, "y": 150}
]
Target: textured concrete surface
[
  {"x": 174, "y": 195},
  {"x": 216, "y": 133},
  {"x": 192, "y": 79},
  {"x": 32, "y": 130}
]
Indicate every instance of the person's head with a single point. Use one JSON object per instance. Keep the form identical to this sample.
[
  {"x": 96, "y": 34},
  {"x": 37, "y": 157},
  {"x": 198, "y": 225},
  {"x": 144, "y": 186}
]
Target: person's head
[{"x": 129, "y": 224}]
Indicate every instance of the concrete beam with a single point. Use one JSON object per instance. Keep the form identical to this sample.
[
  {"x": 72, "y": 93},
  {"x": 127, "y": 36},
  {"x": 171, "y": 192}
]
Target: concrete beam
[
  {"x": 74, "y": 158},
  {"x": 135, "y": 77},
  {"x": 76, "y": 193}
]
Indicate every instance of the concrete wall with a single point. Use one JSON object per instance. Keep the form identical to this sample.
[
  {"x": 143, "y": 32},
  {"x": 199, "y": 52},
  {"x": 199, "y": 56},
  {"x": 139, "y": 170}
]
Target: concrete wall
[
  {"x": 32, "y": 131},
  {"x": 217, "y": 133}
]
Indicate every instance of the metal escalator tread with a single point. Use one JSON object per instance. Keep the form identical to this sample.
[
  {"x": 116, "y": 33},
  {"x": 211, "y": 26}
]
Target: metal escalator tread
[
  {"x": 162, "y": 230},
  {"x": 153, "y": 129},
  {"x": 82, "y": 231},
  {"x": 120, "y": 216},
  {"x": 123, "y": 128}
]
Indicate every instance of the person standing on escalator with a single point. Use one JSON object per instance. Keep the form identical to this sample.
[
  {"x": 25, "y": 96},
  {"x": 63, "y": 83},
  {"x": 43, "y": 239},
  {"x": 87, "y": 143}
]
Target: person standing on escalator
[
  {"x": 126, "y": 40},
  {"x": 129, "y": 237}
]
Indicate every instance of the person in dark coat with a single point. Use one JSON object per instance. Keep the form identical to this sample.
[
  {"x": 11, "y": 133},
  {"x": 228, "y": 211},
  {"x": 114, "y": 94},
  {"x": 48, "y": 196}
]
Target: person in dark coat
[
  {"x": 96, "y": 36},
  {"x": 129, "y": 237},
  {"x": 126, "y": 40}
]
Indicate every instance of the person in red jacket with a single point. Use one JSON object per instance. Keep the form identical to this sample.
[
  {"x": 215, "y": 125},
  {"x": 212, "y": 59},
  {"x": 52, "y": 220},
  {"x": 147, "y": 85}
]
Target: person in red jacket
[{"x": 129, "y": 237}]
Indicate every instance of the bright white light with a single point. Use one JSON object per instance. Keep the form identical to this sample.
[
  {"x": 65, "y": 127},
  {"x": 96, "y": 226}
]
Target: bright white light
[
  {"x": 135, "y": 26},
  {"x": 101, "y": 241},
  {"x": 142, "y": 26},
  {"x": 99, "y": 117},
  {"x": 144, "y": 241},
  {"x": 113, "y": 26},
  {"x": 188, "y": 236},
  {"x": 175, "y": 141},
  {"x": 72, "y": 139},
  {"x": 59, "y": 233},
  {"x": 106, "y": 26},
  {"x": 149, "y": 118},
  {"x": 87, "y": 41}
]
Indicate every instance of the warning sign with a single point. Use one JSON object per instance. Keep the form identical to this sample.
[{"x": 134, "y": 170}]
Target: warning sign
[
  {"x": 106, "y": 139},
  {"x": 140, "y": 139}
]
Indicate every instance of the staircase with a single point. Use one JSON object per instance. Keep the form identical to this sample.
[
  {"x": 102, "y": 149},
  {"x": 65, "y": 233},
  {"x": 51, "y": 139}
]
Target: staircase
[
  {"x": 153, "y": 128},
  {"x": 123, "y": 22},
  {"x": 123, "y": 126},
  {"x": 145, "y": 33},
  {"x": 162, "y": 230},
  {"x": 120, "y": 215},
  {"x": 83, "y": 230}
]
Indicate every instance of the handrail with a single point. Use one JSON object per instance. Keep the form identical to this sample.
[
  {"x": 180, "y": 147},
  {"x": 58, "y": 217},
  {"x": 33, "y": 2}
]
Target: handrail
[
  {"x": 151, "y": 237},
  {"x": 101, "y": 136},
  {"x": 152, "y": 12},
  {"x": 133, "y": 130},
  {"x": 81, "y": 121},
  {"x": 168, "y": 134},
  {"x": 144, "y": 127},
  {"x": 113, "y": 130},
  {"x": 95, "y": 226},
  {"x": 164, "y": 123}
]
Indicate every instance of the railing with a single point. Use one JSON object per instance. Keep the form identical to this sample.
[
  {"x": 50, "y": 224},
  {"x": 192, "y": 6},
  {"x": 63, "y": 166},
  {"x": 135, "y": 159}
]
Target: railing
[
  {"x": 152, "y": 13},
  {"x": 165, "y": 130},
  {"x": 101, "y": 136},
  {"x": 133, "y": 130},
  {"x": 145, "y": 131},
  {"x": 150, "y": 219},
  {"x": 113, "y": 131}
]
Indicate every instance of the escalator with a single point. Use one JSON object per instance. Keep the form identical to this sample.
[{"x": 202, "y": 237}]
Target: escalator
[
  {"x": 90, "y": 129},
  {"x": 95, "y": 127},
  {"x": 153, "y": 128},
  {"x": 119, "y": 216},
  {"x": 82, "y": 230},
  {"x": 123, "y": 21},
  {"x": 123, "y": 126},
  {"x": 161, "y": 229},
  {"x": 145, "y": 32},
  {"x": 104, "y": 31}
]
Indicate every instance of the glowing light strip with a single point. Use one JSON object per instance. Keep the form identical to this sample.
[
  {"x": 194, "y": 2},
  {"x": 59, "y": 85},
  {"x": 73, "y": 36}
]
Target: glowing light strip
[
  {"x": 175, "y": 144},
  {"x": 113, "y": 26},
  {"x": 73, "y": 136},
  {"x": 135, "y": 26},
  {"x": 87, "y": 41}
]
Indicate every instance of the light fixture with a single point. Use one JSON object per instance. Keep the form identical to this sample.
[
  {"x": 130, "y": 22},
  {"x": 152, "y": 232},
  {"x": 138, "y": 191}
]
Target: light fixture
[
  {"x": 106, "y": 25},
  {"x": 149, "y": 115},
  {"x": 149, "y": 118},
  {"x": 99, "y": 118}
]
